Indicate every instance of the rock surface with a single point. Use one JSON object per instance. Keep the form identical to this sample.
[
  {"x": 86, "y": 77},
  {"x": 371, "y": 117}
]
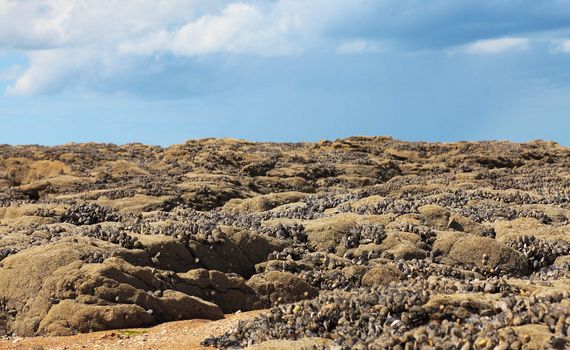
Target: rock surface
[{"x": 364, "y": 242}]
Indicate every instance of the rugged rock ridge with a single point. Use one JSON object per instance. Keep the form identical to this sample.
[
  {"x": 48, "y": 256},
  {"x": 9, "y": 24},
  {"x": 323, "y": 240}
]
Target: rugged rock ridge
[{"x": 359, "y": 242}]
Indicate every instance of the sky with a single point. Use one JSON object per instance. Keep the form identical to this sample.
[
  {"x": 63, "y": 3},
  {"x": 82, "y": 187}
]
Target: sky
[{"x": 165, "y": 71}]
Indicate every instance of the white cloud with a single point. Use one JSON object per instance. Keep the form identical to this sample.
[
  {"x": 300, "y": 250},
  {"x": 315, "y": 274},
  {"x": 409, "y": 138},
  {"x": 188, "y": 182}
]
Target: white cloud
[
  {"x": 359, "y": 46},
  {"x": 236, "y": 29},
  {"x": 494, "y": 46},
  {"x": 75, "y": 42},
  {"x": 563, "y": 46},
  {"x": 45, "y": 24},
  {"x": 53, "y": 70},
  {"x": 239, "y": 28},
  {"x": 283, "y": 27},
  {"x": 185, "y": 27},
  {"x": 71, "y": 43},
  {"x": 32, "y": 24}
]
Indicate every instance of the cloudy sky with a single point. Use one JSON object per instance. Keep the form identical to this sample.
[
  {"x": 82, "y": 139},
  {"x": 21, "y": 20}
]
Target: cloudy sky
[{"x": 163, "y": 71}]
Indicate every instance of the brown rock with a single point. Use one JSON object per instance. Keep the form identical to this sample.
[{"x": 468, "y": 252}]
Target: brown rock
[
  {"x": 469, "y": 250},
  {"x": 56, "y": 272},
  {"x": 265, "y": 202},
  {"x": 227, "y": 290},
  {"x": 276, "y": 287},
  {"x": 69, "y": 317},
  {"x": 382, "y": 275},
  {"x": 435, "y": 216}
]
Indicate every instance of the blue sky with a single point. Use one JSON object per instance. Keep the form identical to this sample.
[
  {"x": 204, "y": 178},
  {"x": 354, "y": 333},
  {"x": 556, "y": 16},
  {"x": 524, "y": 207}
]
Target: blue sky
[{"x": 163, "y": 71}]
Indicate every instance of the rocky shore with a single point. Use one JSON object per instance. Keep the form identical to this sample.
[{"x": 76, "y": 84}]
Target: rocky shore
[{"x": 358, "y": 243}]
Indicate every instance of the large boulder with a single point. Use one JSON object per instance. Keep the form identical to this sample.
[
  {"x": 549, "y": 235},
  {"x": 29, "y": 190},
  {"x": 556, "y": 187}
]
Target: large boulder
[
  {"x": 254, "y": 246},
  {"x": 511, "y": 230},
  {"x": 167, "y": 252},
  {"x": 330, "y": 233},
  {"x": 205, "y": 191},
  {"x": 69, "y": 317},
  {"x": 464, "y": 224},
  {"x": 34, "y": 281},
  {"x": 227, "y": 290},
  {"x": 402, "y": 245},
  {"x": 239, "y": 252},
  {"x": 275, "y": 287},
  {"x": 383, "y": 274},
  {"x": 435, "y": 216},
  {"x": 485, "y": 253}
]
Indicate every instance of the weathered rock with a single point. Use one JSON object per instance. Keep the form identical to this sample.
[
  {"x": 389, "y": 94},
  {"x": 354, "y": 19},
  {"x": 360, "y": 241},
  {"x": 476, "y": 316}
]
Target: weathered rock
[
  {"x": 225, "y": 257},
  {"x": 535, "y": 336},
  {"x": 562, "y": 260},
  {"x": 460, "y": 306},
  {"x": 435, "y": 216},
  {"x": 264, "y": 202},
  {"x": 465, "y": 224},
  {"x": 58, "y": 274},
  {"x": 326, "y": 234},
  {"x": 408, "y": 244},
  {"x": 382, "y": 275},
  {"x": 254, "y": 246},
  {"x": 69, "y": 317},
  {"x": 276, "y": 287},
  {"x": 485, "y": 253},
  {"x": 167, "y": 252},
  {"x": 229, "y": 291}
]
